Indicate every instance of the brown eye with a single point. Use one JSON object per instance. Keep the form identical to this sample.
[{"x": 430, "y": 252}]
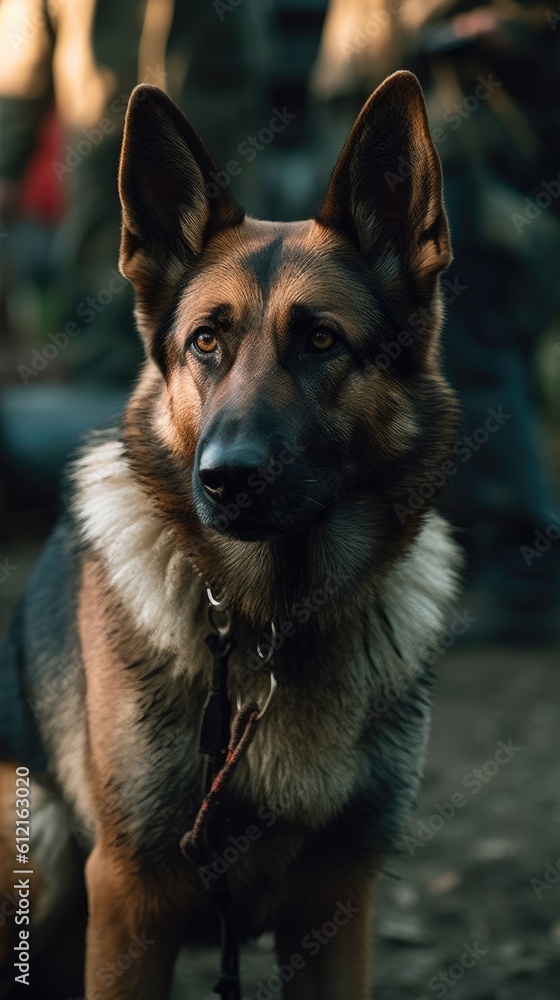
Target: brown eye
[
  {"x": 206, "y": 341},
  {"x": 322, "y": 340}
]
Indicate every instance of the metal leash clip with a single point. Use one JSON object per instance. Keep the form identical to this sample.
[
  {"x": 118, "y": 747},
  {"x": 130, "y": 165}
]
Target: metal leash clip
[
  {"x": 266, "y": 658},
  {"x": 217, "y": 607}
]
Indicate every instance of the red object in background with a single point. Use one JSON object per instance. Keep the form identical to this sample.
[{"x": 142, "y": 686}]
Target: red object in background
[{"x": 42, "y": 194}]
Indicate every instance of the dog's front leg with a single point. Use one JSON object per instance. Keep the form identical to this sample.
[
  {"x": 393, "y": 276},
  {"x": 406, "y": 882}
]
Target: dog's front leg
[
  {"x": 132, "y": 940},
  {"x": 325, "y": 937}
]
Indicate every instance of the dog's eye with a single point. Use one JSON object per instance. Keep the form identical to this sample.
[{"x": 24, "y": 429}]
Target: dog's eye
[
  {"x": 205, "y": 341},
  {"x": 322, "y": 340}
]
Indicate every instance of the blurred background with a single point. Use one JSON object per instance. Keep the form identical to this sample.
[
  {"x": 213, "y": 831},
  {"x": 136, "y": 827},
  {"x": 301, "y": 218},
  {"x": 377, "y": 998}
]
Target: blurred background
[{"x": 69, "y": 354}]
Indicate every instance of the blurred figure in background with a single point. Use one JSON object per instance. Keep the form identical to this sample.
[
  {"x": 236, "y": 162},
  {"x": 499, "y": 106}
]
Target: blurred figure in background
[
  {"x": 86, "y": 56},
  {"x": 491, "y": 74},
  {"x": 67, "y": 68}
]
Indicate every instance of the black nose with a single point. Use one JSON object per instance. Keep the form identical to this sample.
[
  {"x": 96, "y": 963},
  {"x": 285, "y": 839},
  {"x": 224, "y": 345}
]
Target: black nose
[{"x": 225, "y": 474}]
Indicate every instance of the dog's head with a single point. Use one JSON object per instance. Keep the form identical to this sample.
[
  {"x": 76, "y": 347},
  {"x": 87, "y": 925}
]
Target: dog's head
[{"x": 292, "y": 394}]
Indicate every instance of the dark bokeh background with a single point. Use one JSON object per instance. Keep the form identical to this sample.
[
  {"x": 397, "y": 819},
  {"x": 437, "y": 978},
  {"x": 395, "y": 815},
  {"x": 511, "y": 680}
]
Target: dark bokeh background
[{"x": 69, "y": 353}]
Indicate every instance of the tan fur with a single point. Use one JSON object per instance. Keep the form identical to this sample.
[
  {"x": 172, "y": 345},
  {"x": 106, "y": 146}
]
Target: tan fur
[{"x": 7, "y": 850}]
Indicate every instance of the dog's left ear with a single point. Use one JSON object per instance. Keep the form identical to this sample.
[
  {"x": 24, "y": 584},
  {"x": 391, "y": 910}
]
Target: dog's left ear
[
  {"x": 170, "y": 205},
  {"x": 386, "y": 189}
]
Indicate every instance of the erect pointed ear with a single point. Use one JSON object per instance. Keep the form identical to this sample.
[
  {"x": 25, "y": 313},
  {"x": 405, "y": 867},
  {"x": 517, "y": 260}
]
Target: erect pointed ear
[
  {"x": 386, "y": 189},
  {"x": 170, "y": 205}
]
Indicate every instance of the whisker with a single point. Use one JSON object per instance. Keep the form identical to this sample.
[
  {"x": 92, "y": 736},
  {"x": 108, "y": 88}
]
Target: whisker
[{"x": 310, "y": 499}]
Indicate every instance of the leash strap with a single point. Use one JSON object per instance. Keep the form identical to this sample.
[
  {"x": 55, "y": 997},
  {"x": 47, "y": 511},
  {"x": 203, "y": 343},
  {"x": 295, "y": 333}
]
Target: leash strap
[
  {"x": 193, "y": 844},
  {"x": 229, "y": 983},
  {"x": 222, "y": 744},
  {"x": 215, "y": 731},
  {"x": 194, "y": 848}
]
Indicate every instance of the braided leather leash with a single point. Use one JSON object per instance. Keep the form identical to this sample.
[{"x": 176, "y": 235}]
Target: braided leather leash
[{"x": 193, "y": 844}]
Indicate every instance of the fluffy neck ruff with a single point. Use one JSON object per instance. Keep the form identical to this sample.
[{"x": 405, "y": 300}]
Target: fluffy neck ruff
[{"x": 152, "y": 572}]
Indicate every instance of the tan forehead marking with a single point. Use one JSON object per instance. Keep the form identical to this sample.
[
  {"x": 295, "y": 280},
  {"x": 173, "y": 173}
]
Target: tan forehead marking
[{"x": 305, "y": 274}]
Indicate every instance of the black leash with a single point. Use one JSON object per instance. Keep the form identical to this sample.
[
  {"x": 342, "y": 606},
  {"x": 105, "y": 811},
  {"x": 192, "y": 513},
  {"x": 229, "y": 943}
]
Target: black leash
[
  {"x": 229, "y": 983},
  {"x": 213, "y": 745},
  {"x": 216, "y": 714}
]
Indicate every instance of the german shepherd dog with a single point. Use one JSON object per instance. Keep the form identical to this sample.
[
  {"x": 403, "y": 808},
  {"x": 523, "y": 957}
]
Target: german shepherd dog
[{"x": 263, "y": 461}]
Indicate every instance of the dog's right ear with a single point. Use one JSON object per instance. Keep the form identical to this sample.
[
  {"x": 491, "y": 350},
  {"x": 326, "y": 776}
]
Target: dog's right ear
[{"x": 170, "y": 206}]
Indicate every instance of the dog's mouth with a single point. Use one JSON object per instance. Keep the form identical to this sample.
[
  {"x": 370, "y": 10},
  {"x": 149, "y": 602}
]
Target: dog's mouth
[
  {"x": 279, "y": 519},
  {"x": 265, "y": 510},
  {"x": 256, "y": 529},
  {"x": 264, "y": 532}
]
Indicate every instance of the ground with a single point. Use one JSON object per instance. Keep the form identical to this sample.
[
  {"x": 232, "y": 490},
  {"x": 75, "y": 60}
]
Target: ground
[{"x": 469, "y": 903}]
